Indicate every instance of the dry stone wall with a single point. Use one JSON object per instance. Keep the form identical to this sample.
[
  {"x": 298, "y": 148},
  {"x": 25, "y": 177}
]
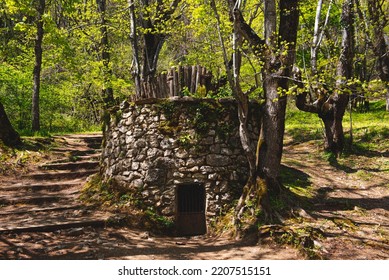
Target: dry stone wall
[{"x": 151, "y": 147}]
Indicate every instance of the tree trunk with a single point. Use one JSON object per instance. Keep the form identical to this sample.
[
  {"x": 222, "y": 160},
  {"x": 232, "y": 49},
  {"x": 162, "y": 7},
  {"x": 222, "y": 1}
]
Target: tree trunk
[
  {"x": 339, "y": 100},
  {"x": 135, "y": 49},
  {"x": 105, "y": 55},
  {"x": 318, "y": 36},
  {"x": 40, "y": 8},
  {"x": 278, "y": 56},
  {"x": 379, "y": 21},
  {"x": 275, "y": 76},
  {"x": 387, "y": 98},
  {"x": 315, "y": 39},
  {"x": 7, "y": 133}
]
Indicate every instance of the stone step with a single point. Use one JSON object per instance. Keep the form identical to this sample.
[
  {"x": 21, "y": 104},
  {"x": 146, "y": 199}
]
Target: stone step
[
  {"x": 92, "y": 141},
  {"x": 71, "y": 165},
  {"x": 75, "y": 152},
  {"x": 37, "y": 198},
  {"x": 21, "y": 210},
  {"x": 91, "y": 157},
  {"x": 48, "y": 200},
  {"x": 81, "y": 136},
  {"x": 40, "y": 186},
  {"x": 51, "y": 219},
  {"x": 60, "y": 175},
  {"x": 48, "y": 227}
]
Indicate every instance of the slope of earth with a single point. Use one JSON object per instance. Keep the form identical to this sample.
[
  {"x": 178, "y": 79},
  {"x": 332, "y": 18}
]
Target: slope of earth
[{"x": 345, "y": 199}]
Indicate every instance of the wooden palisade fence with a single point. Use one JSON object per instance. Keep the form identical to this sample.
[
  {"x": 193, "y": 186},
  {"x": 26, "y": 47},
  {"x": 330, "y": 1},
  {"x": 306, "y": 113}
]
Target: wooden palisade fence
[{"x": 176, "y": 81}]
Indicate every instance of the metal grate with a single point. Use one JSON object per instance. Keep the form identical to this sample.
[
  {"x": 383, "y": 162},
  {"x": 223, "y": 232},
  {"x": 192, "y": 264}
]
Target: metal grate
[{"x": 191, "y": 198}]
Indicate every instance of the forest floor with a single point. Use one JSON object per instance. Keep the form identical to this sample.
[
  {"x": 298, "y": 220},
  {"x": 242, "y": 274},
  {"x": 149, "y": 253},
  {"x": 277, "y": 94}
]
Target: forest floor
[
  {"x": 341, "y": 206},
  {"x": 345, "y": 199}
]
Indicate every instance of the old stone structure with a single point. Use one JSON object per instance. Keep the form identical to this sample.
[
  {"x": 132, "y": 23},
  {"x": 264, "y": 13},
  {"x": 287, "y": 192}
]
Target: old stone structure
[{"x": 156, "y": 147}]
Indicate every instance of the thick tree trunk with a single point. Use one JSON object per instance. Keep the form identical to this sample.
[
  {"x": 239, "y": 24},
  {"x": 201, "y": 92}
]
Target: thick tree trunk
[
  {"x": 40, "y": 8},
  {"x": 275, "y": 76},
  {"x": 7, "y": 133},
  {"x": 233, "y": 74},
  {"x": 105, "y": 55},
  {"x": 278, "y": 55},
  {"x": 152, "y": 48},
  {"x": 333, "y": 119}
]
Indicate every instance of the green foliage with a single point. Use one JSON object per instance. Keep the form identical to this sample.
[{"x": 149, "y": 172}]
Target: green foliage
[
  {"x": 185, "y": 140},
  {"x": 158, "y": 221},
  {"x": 72, "y": 78}
]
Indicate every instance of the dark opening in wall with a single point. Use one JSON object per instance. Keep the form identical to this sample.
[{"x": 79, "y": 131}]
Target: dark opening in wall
[{"x": 190, "y": 214}]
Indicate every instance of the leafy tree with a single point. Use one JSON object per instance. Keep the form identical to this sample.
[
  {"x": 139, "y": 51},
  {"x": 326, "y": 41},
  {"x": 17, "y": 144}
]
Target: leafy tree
[
  {"x": 331, "y": 106},
  {"x": 149, "y": 26},
  {"x": 276, "y": 53}
]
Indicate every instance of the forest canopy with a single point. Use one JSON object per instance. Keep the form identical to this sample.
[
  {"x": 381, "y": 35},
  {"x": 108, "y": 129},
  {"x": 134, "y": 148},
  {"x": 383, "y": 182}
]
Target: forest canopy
[{"x": 88, "y": 60}]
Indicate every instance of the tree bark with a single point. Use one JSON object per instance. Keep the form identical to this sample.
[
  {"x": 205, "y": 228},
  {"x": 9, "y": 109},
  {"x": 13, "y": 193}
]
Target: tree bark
[
  {"x": 135, "y": 49},
  {"x": 108, "y": 98},
  {"x": 278, "y": 57},
  {"x": 275, "y": 76},
  {"x": 379, "y": 21},
  {"x": 40, "y": 8},
  {"x": 7, "y": 133},
  {"x": 387, "y": 98},
  {"x": 318, "y": 36}
]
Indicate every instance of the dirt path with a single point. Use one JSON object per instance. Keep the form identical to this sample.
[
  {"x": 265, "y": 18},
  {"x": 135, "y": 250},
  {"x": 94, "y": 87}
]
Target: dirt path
[
  {"x": 349, "y": 204},
  {"x": 41, "y": 217}
]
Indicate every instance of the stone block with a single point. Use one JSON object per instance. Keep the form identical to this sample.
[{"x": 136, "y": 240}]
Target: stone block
[
  {"x": 137, "y": 183},
  {"x": 138, "y": 132},
  {"x": 156, "y": 176},
  {"x": 215, "y": 149},
  {"x": 141, "y": 143},
  {"x": 178, "y": 175},
  {"x": 207, "y": 169},
  {"x": 135, "y": 166},
  {"x": 152, "y": 153},
  {"x": 226, "y": 151},
  {"x": 181, "y": 153},
  {"x": 207, "y": 141},
  {"x": 217, "y": 160},
  {"x": 165, "y": 144},
  {"x": 191, "y": 162}
]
